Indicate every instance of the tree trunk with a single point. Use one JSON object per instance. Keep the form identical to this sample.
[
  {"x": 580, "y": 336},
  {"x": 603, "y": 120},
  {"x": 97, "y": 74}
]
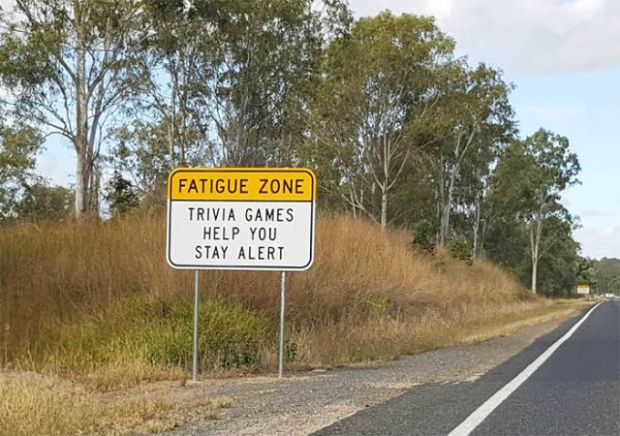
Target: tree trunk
[
  {"x": 385, "y": 185},
  {"x": 173, "y": 116},
  {"x": 477, "y": 216},
  {"x": 384, "y": 206},
  {"x": 534, "y": 274},
  {"x": 80, "y": 141},
  {"x": 447, "y": 208},
  {"x": 478, "y": 213},
  {"x": 535, "y": 237},
  {"x": 441, "y": 203},
  {"x": 94, "y": 186}
]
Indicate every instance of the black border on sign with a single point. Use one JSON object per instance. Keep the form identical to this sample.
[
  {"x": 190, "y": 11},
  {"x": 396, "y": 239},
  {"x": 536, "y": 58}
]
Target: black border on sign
[{"x": 239, "y": 170}]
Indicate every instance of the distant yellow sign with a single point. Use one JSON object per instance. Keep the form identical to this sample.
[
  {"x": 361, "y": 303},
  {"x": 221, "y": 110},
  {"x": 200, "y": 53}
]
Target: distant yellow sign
[
  {"x": 583, "y": 289},
  {"x": 242, "y": 184}
]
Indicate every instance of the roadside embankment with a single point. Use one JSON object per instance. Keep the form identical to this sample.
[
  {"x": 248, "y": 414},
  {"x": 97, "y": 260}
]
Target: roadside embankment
[{"x": 95, "y": 304}]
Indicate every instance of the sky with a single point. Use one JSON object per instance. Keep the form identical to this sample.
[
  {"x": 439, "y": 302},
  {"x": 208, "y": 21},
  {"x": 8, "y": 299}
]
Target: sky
[{"x": 564, "y": 58}]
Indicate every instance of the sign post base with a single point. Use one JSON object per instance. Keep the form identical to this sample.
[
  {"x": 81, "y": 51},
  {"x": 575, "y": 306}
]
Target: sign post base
[{"x": 282, "y": 307}]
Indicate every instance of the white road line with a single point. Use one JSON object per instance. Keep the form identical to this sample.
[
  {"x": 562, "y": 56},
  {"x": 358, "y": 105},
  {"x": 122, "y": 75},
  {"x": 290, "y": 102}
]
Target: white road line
[{"x": 481, "y": 413}]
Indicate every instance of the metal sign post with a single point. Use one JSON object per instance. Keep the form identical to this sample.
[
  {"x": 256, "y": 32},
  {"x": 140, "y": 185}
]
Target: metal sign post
[
  {"x": 282, "y": 307},
  {"x": 196, "y": 310}
]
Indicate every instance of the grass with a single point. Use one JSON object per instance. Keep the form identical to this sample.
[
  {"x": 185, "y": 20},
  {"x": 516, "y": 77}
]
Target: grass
[
  {"x": 89, "y": 308},
  {"x": 153, "y": 337},
  {"x": 32, "y": 403},
  {"x": 53, "y": 274},
  {"x": 384, "y": 338}
]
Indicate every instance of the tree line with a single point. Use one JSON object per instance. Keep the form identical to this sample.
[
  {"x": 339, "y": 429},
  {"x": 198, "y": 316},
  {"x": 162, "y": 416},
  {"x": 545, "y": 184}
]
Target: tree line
[
  {"x": 400, "y": 130},
  {"x": 603, "y": 275}
]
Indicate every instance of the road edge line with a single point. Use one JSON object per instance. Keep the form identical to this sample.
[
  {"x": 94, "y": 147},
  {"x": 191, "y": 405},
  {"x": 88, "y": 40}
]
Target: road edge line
[{"x": 481, "y": 413}]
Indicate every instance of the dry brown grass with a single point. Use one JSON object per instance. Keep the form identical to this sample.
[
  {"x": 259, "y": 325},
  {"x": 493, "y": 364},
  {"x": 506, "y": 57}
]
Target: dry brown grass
[
  {"x": 32, "y": 403},
  {"x": 51, "y": 272},
  {"x": 386, "y": 338},
  {"x": 367, "y": 296}
]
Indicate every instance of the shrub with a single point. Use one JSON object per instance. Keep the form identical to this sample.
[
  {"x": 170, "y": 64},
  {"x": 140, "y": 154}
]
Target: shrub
[
  {"x": 424, "y": 236},
  {"x": 460, "y": 249},
  {"x": 161, "y": 333}
]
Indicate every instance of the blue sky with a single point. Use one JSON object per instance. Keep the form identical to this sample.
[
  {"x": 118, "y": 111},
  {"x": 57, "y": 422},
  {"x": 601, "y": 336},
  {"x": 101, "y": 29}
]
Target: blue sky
[
  {"x": 563, "y": 56},
  {"x": 583, "y": 107}
]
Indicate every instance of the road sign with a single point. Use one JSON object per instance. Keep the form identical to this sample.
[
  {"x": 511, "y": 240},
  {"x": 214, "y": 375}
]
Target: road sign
[
  {"x": 241, "y": 218},
  {"x": 583, "y": 289}
]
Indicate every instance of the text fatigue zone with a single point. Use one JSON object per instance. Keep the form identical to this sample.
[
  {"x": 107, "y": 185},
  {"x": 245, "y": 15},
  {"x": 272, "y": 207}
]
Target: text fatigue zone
[{"x": 241, "y": 218}]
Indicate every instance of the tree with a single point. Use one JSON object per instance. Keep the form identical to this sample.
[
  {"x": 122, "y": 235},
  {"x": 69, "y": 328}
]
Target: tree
[
  {"x": 18, "y": 147},
  {"x": 557, "y": 272},
  {"x": 40, "y": 201},
  {"x": 121, "y": 194},
  {"x": 179, "y": 54},
  {"x": 71, "y": 66},
  {"x": 263, "y": 67},
  {"x": 473, "y": 118},
  {"x": 587, "y": 272},
  {"x": 607, "y": 273},
  {"x": 228, "y": 84},
  {"x": 528, "y": 182},
  {"x": 378, "y": 83}
]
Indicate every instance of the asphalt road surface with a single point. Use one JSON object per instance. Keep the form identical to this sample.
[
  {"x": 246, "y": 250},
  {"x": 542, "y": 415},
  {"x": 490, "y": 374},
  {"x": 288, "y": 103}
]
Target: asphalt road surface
[{"x": 565, "y": 383}]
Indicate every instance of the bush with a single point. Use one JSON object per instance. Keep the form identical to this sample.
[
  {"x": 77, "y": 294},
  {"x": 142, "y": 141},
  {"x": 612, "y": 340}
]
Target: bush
[
  {"x": 460, "y": 249},
  {"x": 161, "y": 333},
  {"x": 424, "y": 236},
  {"x": 229, "y": 337}
]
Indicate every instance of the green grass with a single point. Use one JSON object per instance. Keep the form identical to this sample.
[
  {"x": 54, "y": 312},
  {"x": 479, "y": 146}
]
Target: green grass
[{"x": 157, "y": 332}]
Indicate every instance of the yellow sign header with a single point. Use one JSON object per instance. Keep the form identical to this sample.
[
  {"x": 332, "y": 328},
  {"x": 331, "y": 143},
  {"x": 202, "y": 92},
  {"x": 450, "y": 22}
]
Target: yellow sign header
[{"x": 242, "y": 184}]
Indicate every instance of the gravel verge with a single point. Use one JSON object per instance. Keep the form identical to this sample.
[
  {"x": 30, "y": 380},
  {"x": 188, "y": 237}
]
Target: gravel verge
[{"x": 306, "y": 402}]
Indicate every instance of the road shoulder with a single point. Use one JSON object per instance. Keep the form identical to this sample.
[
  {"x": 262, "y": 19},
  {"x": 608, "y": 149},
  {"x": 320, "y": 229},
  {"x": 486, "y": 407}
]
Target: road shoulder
[{"x": 307, "y": 402}]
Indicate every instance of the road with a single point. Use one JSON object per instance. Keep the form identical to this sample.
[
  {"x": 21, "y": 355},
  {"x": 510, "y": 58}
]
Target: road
[{"x": 566, "y": 383}]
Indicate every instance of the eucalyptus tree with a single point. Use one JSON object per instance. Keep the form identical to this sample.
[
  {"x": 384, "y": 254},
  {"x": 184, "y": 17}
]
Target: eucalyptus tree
[
  {"x": 264, "y": 64},
  {"x": 378, "y": 83},
  {"x": 172, "y": 127},
  {"x": 228, "y": 83},
  {"x": 71, "y": 66},
  {"x": 18, "y": 147},
  {"x": 472, "y": 119},
  {"x": 558, "y": 265},
  {"x": 527, "y": 184},
  {"x": 179, "y": 50}
]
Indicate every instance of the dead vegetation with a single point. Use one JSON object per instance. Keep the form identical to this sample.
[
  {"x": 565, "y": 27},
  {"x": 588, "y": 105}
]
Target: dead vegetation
[
  {"x": 32, "y": 403},
  {"x": 93, "y": 306}
]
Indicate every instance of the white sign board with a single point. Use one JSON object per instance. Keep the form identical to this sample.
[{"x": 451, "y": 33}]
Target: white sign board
[
  {"x": 241, "y": 218},
  {"x": 583, "y": 289}
]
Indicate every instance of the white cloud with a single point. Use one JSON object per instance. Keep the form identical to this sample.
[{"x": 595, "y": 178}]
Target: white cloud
[
  {"x": 56, "y": 167},
  {"x": 526, "y": 36},
  {"x": 599, "y": 243},
  {"x": 587, "y": 213},
  {"x": 6, "y": 5}
]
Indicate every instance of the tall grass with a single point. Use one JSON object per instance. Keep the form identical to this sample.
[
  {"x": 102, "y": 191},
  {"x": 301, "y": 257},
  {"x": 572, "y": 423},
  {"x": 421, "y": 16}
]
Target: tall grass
[
  {"x": 37, "y": 404},
  {"x": 69, "y": 277}
]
